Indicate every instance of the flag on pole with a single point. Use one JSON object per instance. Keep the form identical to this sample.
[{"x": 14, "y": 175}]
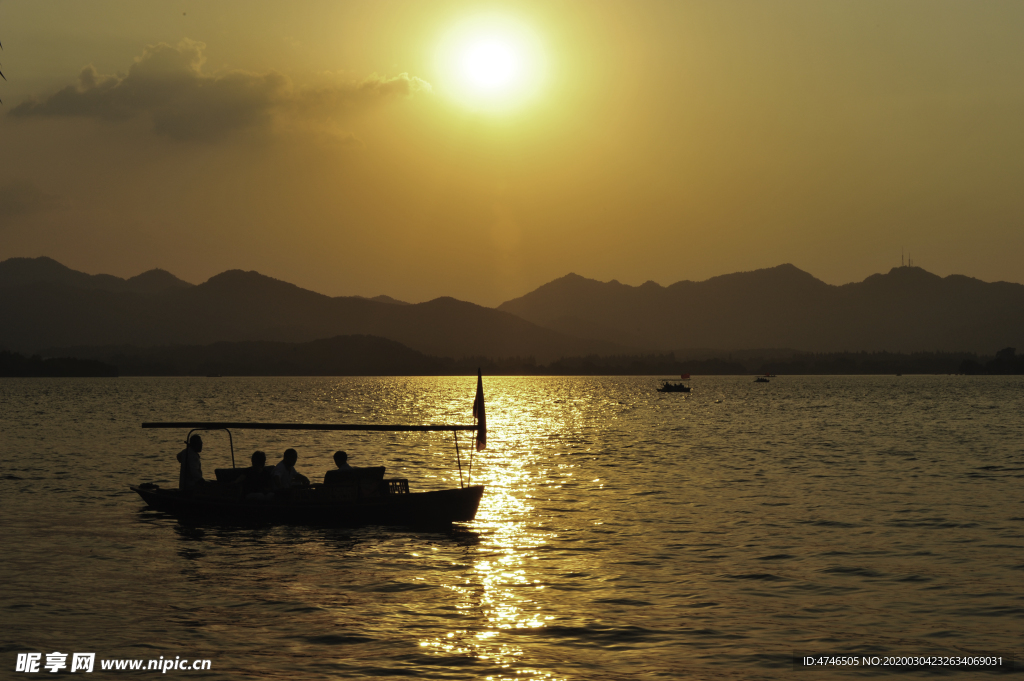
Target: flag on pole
[{"x": 479, "y": 414}]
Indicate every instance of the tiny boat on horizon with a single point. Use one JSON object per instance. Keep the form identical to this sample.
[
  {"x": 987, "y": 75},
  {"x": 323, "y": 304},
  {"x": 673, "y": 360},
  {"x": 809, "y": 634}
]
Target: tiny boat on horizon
[{"x": 669, "y": 387}]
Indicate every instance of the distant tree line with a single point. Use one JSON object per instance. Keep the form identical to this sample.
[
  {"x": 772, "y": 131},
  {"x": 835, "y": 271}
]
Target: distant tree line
[
  {"x": 374, "y": 356},
  {"x": 13, "y": 365},
  {"x": 1006, "y": 361},
  {"x": 809, "y": 363},
  {"x": 595, "y": 365},
  {"x": 836, "y": 363}
]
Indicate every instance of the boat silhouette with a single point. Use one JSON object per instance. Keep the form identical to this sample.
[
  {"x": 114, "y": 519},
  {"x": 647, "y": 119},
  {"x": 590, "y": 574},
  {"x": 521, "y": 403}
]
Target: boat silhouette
[
  {"x": 365, "y": 497},
  {"x": 352, "y": 497},
  {"x": 670, "y": 387}
]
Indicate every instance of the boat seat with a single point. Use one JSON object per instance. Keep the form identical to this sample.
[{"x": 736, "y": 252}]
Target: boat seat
[
  {"x": 356, "y": 476},
  {"x": 228, "y": 475},
  {"x": 360, "y": 482}
]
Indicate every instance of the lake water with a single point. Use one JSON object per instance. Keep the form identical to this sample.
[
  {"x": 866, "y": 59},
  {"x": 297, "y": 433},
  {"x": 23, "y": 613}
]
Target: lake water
[{"x": 623, "y": 534}]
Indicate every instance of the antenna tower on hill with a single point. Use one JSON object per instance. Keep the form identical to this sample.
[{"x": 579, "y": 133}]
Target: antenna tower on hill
[{"x": 908, "y": 262}]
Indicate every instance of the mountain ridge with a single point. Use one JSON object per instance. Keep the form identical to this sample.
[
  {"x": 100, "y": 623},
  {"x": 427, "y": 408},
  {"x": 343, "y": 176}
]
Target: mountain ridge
[
  {"x": 906, "y": 309},
  {"x": 26, "y": 271},
  {"x": 58, "y": 307}
]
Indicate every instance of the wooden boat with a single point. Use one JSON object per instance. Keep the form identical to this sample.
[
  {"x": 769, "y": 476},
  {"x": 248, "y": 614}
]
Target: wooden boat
[
  {"x": 361, "y": 496},
  {"x": 317, "y": 506},
  {"x": 761, "y": 379}
]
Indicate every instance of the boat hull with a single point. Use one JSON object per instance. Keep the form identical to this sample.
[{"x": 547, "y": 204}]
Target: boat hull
[{"x": 420, "y": 508}]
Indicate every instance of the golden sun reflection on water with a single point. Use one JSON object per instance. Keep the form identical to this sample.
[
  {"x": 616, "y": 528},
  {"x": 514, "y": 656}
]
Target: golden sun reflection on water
[{"x": 501, "y": 586}]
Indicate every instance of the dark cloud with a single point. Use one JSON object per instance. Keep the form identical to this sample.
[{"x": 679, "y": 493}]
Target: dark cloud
[
  {"x": 167, "y": 86},
  {"x": 326, "y": 101},
  {"x": 18, "y": 197}
]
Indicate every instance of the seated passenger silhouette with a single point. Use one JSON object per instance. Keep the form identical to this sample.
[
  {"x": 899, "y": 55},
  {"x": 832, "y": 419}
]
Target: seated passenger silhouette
[
  {"x": 285, "y": 475},
  {"x": 257, "y": 481},
  {"x": 337, "y": 475}
]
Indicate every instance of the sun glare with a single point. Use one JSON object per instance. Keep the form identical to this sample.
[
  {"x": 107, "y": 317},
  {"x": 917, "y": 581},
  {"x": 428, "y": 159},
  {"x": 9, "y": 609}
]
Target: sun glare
[{"x": 492, "y": 64}]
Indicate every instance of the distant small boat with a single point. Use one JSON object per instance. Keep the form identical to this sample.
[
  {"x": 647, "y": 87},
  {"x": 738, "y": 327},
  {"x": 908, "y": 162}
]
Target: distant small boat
[
  {"x": 670, "y": 387},
  {"x": 761, "y": 379}
]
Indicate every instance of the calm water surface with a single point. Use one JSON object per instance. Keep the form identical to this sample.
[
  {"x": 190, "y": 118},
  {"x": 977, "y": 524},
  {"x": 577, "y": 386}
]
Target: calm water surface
[{"x": 624, "y": 533}]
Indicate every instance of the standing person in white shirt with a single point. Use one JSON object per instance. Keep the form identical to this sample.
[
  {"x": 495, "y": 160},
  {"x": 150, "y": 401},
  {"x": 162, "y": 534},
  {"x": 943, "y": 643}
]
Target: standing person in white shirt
[
  {"x": 285, "y": 474},
  {"x": 190, "y": 476}
]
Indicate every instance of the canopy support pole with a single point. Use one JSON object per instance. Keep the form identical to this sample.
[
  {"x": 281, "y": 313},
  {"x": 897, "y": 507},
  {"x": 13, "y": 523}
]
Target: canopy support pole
[
  {"x": 458, "y": 457},
  {"x": 231, "y": 440}
]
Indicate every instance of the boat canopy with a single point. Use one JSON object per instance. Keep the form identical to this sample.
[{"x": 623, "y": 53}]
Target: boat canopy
[{"x": 225, "y": 425}]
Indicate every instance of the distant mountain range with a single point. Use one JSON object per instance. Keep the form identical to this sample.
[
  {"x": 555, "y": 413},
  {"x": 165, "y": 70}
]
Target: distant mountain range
[
  {"x": 906, "y": 310},
  {"x": 19, "y": 273},
  {"x": 48, "y": 308}
]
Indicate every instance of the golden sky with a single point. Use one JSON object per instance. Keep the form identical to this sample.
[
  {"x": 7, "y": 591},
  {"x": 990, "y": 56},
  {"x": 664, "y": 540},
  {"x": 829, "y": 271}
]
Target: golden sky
[{"x": 478, "y": 150}]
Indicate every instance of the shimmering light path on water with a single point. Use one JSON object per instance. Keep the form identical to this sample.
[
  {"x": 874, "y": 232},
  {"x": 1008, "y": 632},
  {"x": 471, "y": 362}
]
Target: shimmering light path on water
[{"x": 624, "y": 533}]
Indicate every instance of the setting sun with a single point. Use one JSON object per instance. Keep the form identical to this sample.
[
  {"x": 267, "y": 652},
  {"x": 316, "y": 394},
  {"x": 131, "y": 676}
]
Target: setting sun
[{"x": 491, "y": 64}]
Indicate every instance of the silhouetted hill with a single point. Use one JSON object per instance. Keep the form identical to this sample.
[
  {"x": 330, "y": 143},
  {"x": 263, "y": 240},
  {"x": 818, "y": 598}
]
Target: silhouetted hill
[
  {"x": 389, "y": 299},
  {"x": 67, "y": 308},
  {"x": 14, "y": 365},
  {"x": 20, "y": 272},
  {"x": 906, "y": 310},
  {"x": 155, "y": 281}
]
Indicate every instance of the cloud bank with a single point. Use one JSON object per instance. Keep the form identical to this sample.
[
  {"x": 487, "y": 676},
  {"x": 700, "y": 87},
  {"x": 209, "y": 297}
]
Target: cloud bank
[{"x": 167, "y": 86}]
